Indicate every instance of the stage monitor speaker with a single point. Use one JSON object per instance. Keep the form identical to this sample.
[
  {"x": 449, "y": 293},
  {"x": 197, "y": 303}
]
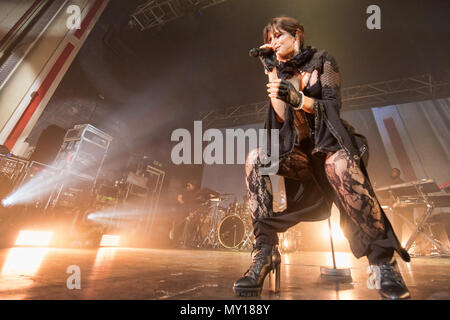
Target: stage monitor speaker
[{"x": 48, "y": 144}]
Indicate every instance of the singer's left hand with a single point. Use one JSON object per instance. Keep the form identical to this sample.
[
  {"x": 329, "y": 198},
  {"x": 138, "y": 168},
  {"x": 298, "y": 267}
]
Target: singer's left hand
[{"x": 284, "y": 90}]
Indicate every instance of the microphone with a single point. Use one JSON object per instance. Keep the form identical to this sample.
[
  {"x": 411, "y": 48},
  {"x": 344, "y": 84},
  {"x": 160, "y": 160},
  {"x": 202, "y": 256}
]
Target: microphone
[{"x": 256, "y": 52}]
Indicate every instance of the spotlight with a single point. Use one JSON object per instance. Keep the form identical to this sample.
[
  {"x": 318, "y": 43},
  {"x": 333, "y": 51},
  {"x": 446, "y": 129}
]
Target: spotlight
[
  {"x": 338, "y": 235},
  {"x": 6, "y": 202},
  {"x": 285, "y": 244},
  {"x": 39, "y": 182},
  {"x": 110, "y": 240},
  {"x": 34, "y": 238}
]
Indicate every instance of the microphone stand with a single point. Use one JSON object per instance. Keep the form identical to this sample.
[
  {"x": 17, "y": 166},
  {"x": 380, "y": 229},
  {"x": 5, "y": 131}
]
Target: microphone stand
[{"x": 335, "y": 274}]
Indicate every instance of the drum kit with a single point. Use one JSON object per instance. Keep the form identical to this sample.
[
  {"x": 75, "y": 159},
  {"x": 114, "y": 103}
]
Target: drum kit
[{"x": 216, "y": 226}]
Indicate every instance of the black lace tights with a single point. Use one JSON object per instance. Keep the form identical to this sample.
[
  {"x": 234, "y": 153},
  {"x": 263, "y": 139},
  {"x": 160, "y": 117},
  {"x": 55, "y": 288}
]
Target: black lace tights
[{"x": 352, "y": 187}]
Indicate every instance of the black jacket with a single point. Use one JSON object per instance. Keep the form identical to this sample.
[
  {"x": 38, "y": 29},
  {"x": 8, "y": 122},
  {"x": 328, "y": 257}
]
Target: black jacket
[{"x": 312, "y": 201}]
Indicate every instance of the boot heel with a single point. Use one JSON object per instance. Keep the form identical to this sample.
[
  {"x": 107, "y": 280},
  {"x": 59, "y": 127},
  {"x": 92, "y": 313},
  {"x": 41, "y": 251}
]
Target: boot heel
[
  {"x": 266, "y": 261},
  {"x": 274, "y": 278}
]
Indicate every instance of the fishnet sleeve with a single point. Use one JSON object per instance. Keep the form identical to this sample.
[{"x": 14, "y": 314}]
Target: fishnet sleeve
[
  {"x": 329, "y": 133},
  {"x": 330, "y": 80}
]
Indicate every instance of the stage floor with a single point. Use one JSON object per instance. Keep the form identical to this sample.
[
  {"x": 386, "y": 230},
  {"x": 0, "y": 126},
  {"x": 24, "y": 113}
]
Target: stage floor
[{"x": 125, "y": 273}]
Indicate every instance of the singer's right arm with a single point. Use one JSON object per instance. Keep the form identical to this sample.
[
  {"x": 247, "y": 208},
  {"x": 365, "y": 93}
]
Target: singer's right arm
[{"x": 279, "y": 106}]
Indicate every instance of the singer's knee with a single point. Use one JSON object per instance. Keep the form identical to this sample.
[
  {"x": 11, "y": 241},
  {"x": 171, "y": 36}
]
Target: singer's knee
[
  {"x": 252, "y": 160},
  {"x": 336, "y": 163}
]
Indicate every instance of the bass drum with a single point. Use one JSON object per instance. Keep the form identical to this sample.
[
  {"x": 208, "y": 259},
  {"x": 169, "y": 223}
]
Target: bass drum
[{"x": 231, "y": 231}]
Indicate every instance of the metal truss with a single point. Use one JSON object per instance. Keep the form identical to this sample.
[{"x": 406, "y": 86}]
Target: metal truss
[
  {"x": 156, "y": 13},
  {"x": 234, "y": 116},
  {"x": 378, "y": 94},
  {"x": 417, "y": 88}
]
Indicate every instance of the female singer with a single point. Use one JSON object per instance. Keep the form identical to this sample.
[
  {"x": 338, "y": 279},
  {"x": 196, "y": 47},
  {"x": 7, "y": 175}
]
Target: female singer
[{"x": 322, "y": 160}]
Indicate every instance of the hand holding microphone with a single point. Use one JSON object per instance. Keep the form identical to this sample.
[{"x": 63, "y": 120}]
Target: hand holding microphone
[
  {"x": 263, "y": 50},
  {"x": 267, "y": 56},
  {"x": 277, "y": 89}
]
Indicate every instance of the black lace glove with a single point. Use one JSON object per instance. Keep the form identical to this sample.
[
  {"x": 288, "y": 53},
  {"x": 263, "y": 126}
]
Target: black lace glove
[
  {"x": 269, "y": 61},
  {"x": 290, "y": 95}
]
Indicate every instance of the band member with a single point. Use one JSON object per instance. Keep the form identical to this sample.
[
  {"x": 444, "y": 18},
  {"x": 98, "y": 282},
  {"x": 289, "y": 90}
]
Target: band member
[
  {"x": 186, "y": 199},
  {"x": 188, "y": 219},
  {"x": 322, "y": 159},
  {"x": 396, "y": 176},
  {"x": 193, "y": 196},
  {"x": 185, "y": 204}
]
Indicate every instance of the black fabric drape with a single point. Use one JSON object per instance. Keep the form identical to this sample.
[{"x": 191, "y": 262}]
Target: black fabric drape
[{"x": 312, "y": 200}]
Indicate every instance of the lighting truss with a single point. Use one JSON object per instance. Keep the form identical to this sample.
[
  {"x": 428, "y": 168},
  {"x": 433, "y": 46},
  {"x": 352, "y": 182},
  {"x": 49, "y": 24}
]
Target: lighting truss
[
  {"x": 156, "y": 13},
  {"x": 378, "y": 94},
  {"x": 417, "y": 88},
  {"x": 234, "y": 116}
]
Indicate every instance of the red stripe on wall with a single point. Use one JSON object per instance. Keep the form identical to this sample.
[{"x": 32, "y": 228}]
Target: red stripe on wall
[
  {"x": 87, "y": 20},
  {"x": 399, "y": 149},
  {"x": 18, "y": 23},
  {"x": 41, "y": 92},
  {"x": 31, "y": 108}
]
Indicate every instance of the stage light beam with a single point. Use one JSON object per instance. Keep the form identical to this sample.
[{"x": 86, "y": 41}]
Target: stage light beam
[
  {"x": 336, "y": 231},
  {"x": 34, "y": 238},
  {"x": 285, "y": 244},
  {"x": 6, "y": 203},
  {"x": 110, "y": 240}
]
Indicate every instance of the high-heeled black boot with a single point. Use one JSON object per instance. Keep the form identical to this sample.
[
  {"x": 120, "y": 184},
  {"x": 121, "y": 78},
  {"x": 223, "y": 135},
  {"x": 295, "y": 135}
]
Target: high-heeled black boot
[
  {"x": 266, "y": 260},
  {"x": 392, "y": 285}
]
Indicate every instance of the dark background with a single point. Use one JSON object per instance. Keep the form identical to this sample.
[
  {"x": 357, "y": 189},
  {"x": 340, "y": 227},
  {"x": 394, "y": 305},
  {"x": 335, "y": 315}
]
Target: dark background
[{"x": 140, "y": 86}]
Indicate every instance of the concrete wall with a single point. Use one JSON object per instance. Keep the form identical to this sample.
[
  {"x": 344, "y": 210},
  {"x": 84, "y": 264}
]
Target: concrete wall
[
  {"x": 10, "y": 12},
  {"x": 417, "y": 138},
  {"x": 428, "y": 124},
  {"x": 378, "y": 168},
  {"x": 27, "y": 92}
]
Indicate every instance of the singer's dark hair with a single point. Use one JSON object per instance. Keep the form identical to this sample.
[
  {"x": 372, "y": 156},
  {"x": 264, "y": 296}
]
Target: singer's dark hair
[{"x": 288, "y": 24}]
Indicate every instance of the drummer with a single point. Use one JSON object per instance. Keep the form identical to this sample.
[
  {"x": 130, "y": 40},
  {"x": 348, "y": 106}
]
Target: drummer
[{"x": 188, "y": 202}]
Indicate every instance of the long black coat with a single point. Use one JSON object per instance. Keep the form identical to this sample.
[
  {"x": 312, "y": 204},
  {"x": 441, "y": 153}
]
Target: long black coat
[{"x": 312, "y": 201}]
